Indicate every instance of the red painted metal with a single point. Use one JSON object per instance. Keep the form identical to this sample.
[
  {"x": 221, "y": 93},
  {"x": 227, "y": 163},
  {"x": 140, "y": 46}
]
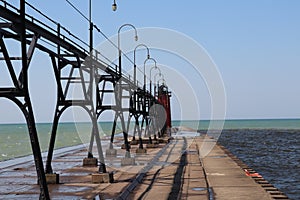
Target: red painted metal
[{"x": 164, "y": 99}]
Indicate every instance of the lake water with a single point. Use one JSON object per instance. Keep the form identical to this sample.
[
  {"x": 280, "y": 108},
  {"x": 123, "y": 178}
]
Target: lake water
[
  {"x": 274, "y": 153},
  {"x": 271, "y": 147}
]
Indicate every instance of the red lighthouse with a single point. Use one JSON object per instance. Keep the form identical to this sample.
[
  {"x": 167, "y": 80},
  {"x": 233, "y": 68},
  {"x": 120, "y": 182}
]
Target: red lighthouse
[{"x": 164, "y": 99}]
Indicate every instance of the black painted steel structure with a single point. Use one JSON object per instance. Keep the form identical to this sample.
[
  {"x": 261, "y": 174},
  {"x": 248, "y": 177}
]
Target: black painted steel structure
[
  {"x": 73, "y": 66},
  {"x": 19, "y": 93}
]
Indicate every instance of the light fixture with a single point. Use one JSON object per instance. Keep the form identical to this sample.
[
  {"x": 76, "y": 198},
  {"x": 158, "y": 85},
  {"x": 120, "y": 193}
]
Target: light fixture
[
  {"x": 119, "y": 49},
  {"x": 114, "y": 6},
  {"x": 150, "y": 70},
  {"x": 134, "y": 63}
]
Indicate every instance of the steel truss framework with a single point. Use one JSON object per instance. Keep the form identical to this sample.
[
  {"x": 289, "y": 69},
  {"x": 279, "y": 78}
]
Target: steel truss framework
[{"x": 84, "y": 71}]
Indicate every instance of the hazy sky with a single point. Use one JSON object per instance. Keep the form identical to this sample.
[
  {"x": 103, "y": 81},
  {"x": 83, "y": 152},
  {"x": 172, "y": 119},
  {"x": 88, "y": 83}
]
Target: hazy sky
[{"x": 254, "y": 43}]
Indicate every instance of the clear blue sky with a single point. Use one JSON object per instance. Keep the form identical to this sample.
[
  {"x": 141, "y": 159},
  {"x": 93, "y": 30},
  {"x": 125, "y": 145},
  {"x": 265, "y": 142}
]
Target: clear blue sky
[{"x": 254, "y": 43}]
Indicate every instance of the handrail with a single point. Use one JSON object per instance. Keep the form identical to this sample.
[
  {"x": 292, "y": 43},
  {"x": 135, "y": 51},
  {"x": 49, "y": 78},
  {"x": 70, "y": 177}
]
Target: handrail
[{"x": 46, "y": 28}]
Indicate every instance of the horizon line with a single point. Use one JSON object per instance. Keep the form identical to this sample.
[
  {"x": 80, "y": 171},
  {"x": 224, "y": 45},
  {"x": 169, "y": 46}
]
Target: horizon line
[{"x": 229, "y": 119}]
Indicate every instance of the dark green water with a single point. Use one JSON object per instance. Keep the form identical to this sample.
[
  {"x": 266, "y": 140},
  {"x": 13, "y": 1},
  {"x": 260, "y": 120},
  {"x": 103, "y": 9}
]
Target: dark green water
[{"x": 14, "y": 138}]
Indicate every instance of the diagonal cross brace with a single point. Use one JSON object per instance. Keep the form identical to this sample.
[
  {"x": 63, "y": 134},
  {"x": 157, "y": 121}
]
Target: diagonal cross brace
[
  {"x": 29, "y": 57},
  {"x": 8, "y": 62}
]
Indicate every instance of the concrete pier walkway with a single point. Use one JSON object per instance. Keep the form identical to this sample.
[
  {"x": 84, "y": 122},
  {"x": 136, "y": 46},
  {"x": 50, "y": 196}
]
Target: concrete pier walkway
[{"x": 169, "y": 171}]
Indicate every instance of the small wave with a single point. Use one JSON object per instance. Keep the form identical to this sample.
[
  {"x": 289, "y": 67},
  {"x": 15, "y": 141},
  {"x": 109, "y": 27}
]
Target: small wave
[{"x": 273, "y": 153}]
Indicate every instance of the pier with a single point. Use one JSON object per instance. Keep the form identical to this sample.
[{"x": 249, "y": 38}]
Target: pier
[
  {"x": 155, "y": 161},
  {"x": 172, "y": 170}
]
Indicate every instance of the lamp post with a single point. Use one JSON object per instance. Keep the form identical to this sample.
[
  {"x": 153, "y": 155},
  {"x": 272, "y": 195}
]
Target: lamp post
[
  {"x": 145, "y": 69},
  {"x": 154, "y": 67},
  {"x": 136, "y": 84},
  {"x": 114, "y": 8},
  {"x": 150, "y": 140},
  {"x": 91, "y": 26},
  {"x": 120, "y": 52},
  {"x": 153, "y": 101},
  {"x": 134, "y": 59}
]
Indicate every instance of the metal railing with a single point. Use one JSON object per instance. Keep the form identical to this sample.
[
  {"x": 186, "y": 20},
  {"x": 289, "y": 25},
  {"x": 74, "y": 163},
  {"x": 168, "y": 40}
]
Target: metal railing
[{"x": 52, "y": 27}]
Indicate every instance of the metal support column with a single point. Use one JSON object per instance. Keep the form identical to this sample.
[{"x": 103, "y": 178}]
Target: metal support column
[{"x": 19, "y": 94}]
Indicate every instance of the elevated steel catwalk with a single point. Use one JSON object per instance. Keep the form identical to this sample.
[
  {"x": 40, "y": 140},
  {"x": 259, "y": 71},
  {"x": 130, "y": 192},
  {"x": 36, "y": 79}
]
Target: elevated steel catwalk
[{"x": 66, "y": 55}]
